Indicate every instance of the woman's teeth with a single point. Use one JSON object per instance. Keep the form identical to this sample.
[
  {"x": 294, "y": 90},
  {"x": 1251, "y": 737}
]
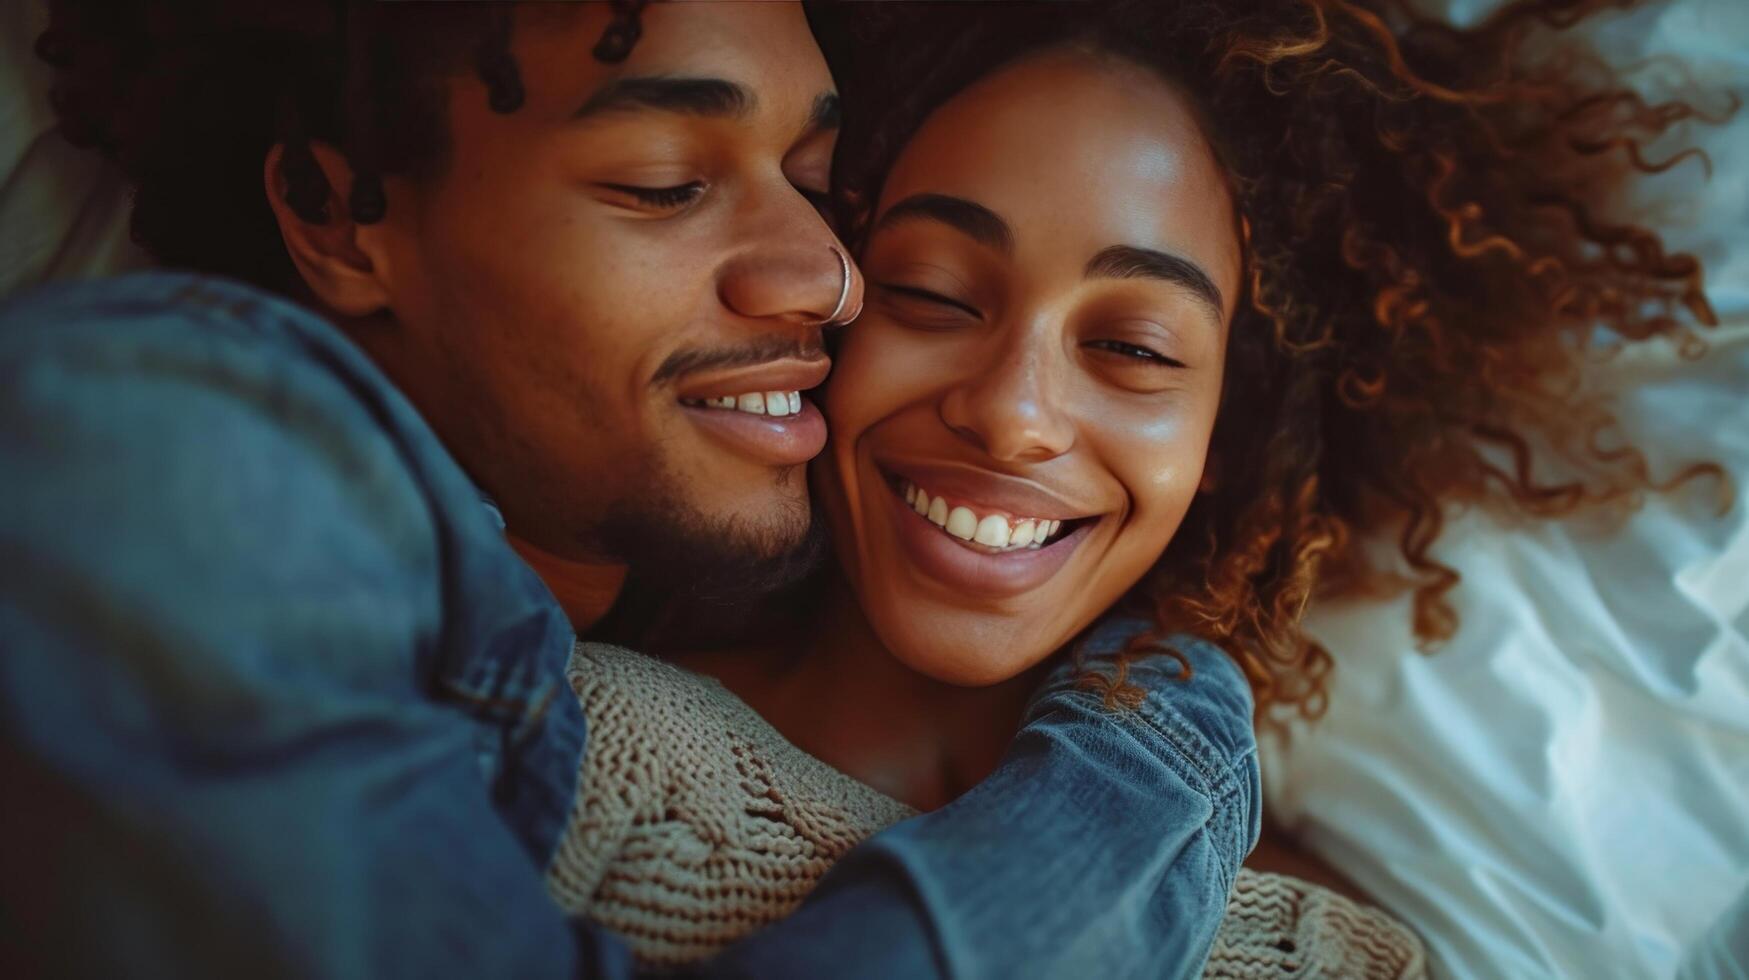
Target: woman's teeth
[
  {"x": 993, "y": 531},
  {"x": 753, "y": 403}
]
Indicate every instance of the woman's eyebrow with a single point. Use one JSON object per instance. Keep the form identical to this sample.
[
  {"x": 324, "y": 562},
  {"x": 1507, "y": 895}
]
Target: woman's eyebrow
[
  {"x": 823, "y": 117},
  {"x": 976, "y": 221},
  {"x": 1131, "y": 262},
  {"x": 716, "y": 97},
  {"x": 827, "y": 112}
]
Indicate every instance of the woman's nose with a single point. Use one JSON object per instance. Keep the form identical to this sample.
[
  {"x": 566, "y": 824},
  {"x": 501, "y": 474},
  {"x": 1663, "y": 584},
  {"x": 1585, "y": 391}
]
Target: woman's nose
[{"x": 1015, "y": 407}]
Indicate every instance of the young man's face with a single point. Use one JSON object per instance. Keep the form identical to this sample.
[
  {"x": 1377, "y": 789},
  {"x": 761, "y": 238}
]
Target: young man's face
[{"x": 592, "y": 271}]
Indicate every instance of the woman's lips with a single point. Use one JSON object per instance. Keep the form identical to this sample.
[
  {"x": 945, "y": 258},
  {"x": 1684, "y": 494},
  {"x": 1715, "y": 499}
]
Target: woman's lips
[
  {"x": 989, "y": 491},
  {"x": 995, "y": 576}
]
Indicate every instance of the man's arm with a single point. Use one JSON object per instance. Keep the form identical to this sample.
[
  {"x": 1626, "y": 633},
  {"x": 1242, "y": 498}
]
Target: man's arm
[
  {"x": 1104, "y": 845},
  {"x": 222, "y": 606}
]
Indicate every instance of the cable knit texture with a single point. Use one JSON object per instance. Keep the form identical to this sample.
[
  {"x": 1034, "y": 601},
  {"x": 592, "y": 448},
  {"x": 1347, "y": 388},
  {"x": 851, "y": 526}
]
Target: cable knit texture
[{"x": 697, "y": 823}]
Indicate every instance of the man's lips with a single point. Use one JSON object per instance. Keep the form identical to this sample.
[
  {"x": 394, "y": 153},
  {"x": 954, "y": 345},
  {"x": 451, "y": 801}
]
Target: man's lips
[
  {"x": 781, "y": 437},
  {"x": 788, "y": 374},
  {"x": 781, "y": 441}
]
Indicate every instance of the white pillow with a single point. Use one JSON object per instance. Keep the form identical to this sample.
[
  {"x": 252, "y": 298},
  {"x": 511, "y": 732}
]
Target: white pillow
[{"x": 1563, "y": 789}]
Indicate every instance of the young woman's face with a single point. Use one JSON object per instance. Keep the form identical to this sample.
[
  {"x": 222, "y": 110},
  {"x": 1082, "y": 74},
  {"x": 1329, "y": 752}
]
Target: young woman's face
[{"x": 1053, "y": 263}]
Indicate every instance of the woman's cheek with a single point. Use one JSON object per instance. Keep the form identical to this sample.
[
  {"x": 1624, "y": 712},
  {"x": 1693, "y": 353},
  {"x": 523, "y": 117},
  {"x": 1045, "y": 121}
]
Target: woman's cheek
[
  {"x": 1159, "y": 459},
  {"x": 880, "y": 367}
]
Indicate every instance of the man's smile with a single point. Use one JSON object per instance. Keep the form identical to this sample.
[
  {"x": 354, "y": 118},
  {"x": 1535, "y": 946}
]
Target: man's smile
[
  {"x": 774, "y": 403},
  {"x": 759, "y": 411}
]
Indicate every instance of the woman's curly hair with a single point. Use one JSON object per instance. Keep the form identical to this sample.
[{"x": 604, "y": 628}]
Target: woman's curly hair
[{"x": 1427, "y": 265}]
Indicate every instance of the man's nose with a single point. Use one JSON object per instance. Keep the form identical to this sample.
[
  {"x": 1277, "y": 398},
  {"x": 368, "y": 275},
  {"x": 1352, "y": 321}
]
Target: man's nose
[
  {"x": 1014, "y": 406},
  {"x": 791, "y": 268},
  {"x": 803, "y": 283}
]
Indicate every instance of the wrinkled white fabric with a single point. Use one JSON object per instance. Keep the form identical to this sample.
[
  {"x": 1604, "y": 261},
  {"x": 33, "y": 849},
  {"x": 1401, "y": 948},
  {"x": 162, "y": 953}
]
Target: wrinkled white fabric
[
  {"x": 1563, "y": 789},
  {"x": 63, "y": 212},
  {"x": 1722, "y": 952}
]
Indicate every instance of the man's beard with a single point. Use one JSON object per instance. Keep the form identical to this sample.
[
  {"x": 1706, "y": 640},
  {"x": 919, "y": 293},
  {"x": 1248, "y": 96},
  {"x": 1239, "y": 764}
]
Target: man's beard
[
  {"x": 669, "y": 543},
  {"x": 670, "y": 546},
  {"x": 697, "y": 583}
]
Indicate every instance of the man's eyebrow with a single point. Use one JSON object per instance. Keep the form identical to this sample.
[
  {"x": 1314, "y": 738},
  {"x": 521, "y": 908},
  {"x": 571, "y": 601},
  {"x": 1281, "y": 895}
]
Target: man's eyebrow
[
  {"x": 981, "y": 224},
  {"x": 1130, "y": 262},
  {"x": 664, "y": 93}
]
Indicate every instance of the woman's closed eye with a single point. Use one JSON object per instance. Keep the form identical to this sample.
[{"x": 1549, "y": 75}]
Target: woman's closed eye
[
  {"x": 1136, "y": 352},
  {"x": 927, "y": 298}
]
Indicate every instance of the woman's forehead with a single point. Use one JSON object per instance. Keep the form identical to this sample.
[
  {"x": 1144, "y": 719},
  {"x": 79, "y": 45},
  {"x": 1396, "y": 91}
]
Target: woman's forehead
[{"x": 1081, "y": 149}]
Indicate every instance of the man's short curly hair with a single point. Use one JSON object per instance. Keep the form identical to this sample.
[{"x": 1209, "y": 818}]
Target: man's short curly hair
[
  {"x": 1427, "y": 265},
  {"x": 187, "y": 96}
]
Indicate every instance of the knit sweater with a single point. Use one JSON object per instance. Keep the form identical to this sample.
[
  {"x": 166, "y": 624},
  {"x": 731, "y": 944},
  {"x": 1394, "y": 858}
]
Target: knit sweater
[{"x": 697, "y": 823}]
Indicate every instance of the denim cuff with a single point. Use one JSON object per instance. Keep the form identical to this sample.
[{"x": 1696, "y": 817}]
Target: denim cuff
[{"x": 1202, "y": 725}]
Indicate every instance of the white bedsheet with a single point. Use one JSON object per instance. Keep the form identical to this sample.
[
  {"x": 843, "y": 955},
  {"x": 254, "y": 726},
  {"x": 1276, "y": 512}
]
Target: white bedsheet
[{"x": 1563, "y": 790}]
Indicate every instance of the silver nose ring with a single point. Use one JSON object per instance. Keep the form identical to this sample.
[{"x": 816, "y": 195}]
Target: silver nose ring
[{"x": 843, "y": 290}]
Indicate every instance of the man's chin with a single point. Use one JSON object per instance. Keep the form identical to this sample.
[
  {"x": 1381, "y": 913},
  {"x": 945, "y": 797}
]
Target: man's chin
[
  {"x": 688, "y": 553},
  {"x": 697, "y": 592}
]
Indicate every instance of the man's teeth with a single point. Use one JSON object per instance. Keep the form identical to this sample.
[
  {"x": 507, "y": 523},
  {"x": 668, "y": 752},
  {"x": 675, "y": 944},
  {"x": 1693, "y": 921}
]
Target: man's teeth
[
  {"x": 991, "y": 530},
  {"x": 754, "y": 402}
]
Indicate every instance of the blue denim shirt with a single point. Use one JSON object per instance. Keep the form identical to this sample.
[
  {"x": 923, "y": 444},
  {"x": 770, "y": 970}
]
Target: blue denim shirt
[{"x": 276, "y": 699}]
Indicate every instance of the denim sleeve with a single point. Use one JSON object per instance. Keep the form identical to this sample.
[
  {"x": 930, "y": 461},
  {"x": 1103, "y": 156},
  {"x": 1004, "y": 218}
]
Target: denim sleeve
[
  {"x": 1104, "y": 845},
  {"x": 218, "y": 575}
]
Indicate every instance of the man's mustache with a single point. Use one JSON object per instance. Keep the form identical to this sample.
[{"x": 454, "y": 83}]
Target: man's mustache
[{"x": 684, "y": 362}]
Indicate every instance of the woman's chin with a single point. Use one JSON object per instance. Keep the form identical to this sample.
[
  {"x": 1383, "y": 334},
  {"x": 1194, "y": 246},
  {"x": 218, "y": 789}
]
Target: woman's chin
[{"x": 966, "y": 664}]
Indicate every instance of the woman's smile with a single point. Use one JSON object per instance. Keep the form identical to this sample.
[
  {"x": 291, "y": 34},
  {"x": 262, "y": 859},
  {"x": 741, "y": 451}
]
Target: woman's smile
[{"x": 979, "y": 533}]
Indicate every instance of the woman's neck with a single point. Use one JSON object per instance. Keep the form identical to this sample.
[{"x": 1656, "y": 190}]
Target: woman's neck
[{"x": 835, "y": 691}]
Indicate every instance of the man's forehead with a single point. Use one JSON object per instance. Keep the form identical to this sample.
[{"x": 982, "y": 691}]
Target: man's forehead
[
  {"x": 718, "y": 98},
  {"x": 714, "y": 59}
]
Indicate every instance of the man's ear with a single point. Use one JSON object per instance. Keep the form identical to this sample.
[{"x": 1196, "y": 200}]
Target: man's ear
[{"x": 341, "y": 261}]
